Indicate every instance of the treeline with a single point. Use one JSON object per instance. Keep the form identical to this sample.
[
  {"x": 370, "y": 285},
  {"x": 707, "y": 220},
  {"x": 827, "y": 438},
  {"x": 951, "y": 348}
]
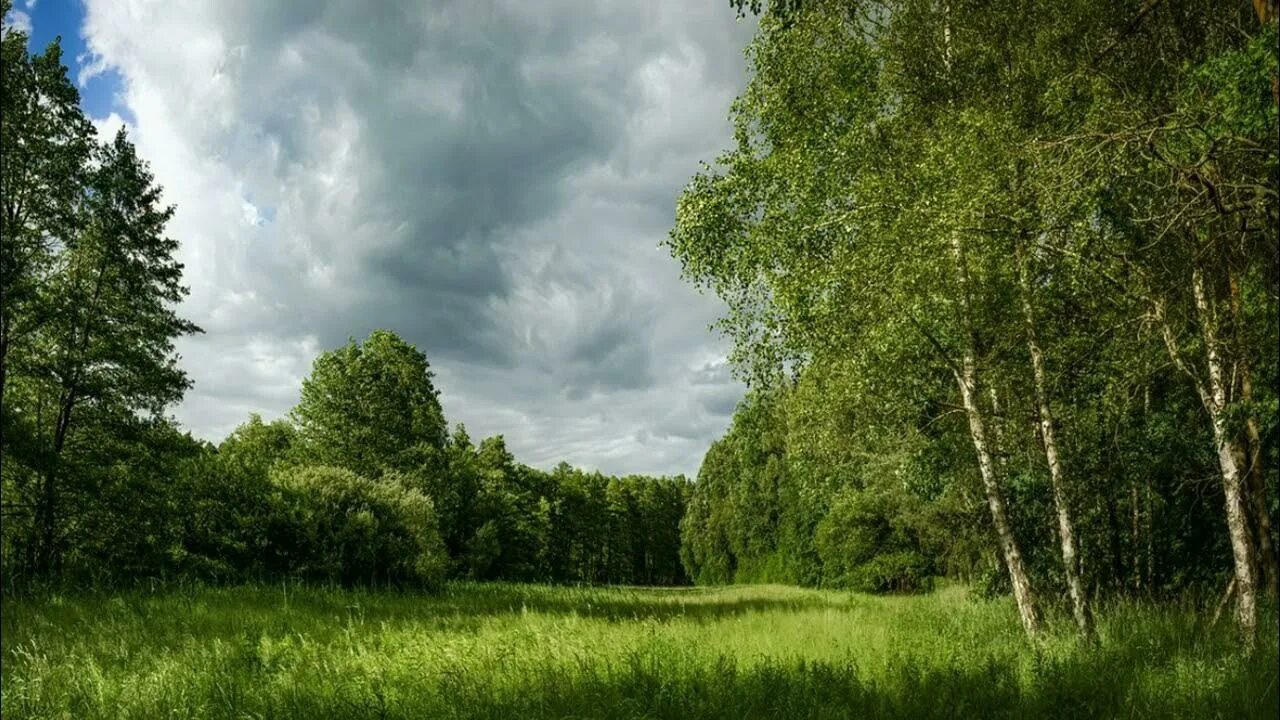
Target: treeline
[
  {"x": 362, "y": 484},
  {"x": 359, "y": 486},
  {"x": 1004, "y": 277},
  {"x": 799, "y": 491}
]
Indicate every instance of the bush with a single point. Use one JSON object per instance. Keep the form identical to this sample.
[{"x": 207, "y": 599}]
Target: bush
[
  {"x": 350, "y": 530},
  {"x": 903, "y": 571},
  {"x": 227, "y": 517},
  {"x": 863, "y": 545}
]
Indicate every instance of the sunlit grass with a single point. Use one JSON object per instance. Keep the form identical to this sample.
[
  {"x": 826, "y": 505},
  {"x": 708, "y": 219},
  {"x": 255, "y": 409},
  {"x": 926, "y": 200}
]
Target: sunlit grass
[{"x": 515, "y": 651}]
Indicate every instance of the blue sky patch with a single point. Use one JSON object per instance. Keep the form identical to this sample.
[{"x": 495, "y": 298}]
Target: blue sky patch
[{"x": 53, "y": 18}]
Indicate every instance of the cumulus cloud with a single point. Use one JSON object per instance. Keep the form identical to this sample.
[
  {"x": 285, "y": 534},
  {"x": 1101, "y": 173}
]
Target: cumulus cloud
[
  {"x": 491, "y": 180},
  {"x": 19, "y": 21}
]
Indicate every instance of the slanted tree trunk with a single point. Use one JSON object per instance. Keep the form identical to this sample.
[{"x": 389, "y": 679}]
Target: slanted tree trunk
[
  {"x": 1231, "y": 458},
  {"x": 1215, "y": 394},
  {"x": 1049, "y": 437},
  {"x": 967, "y": 380},
  {"x": 1255, "y": 480},
  {"x": 1226, "y": 595}
]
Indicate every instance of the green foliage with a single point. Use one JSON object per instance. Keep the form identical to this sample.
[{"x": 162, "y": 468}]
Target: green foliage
[
  {"x": 863, "y": 546},
  {"x": 902, "y": 176},
  {"x": 255, "y": 447},
  {"x": 918, "y": 194},
  {"x": 367, "y": 406},
  {"x": 87, "y": 331},
  {"x": 157, "y": 505},
  {"x": 231, "y": 519},
  {"x": 351, "y": 530}
]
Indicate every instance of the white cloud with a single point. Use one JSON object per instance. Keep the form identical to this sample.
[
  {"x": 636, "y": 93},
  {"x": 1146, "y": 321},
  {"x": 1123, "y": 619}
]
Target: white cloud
[
  {"x": 110, "y": 125},
  {"x": 19, "y": 21}
]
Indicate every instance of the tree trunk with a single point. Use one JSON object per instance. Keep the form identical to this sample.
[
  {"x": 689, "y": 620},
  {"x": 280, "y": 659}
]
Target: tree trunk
[
  {"x": 1113, "y": 544},
  {"x": 1256, "y": 483},
  {"x": 1226, "y": 595},
  {"x": 998, "y": 447},
  {"x": 47, "y": 513},
  {"x": 1048, "y": 434},
  {"x": 967, "y": 380},
  {"x": 1257, "y": 494},
  {"x": 1214, "y": 394},
  {"x": 1231, "y": 459}
]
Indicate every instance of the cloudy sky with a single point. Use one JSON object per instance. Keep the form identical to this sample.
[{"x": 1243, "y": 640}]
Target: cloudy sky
[{"x": 490, "y": 179}]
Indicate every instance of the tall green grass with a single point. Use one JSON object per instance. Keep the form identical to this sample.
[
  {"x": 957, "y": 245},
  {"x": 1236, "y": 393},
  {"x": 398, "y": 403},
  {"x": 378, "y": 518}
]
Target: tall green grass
[{"x": 529, "y": 651}]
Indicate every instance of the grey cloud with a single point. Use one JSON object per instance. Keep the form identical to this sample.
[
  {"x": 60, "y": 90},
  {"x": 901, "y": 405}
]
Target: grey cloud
[
  {"x": 491, "y": 180},
  {"x": 722, "y": 400}
]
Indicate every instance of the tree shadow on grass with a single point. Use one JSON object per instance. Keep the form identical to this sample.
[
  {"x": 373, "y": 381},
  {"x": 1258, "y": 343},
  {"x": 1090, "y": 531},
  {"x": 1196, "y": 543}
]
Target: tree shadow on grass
[{"x": 644, "y": 687}]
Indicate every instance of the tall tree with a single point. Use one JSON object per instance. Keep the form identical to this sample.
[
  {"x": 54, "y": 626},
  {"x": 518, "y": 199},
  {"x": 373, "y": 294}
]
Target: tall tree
[
  {"x": 1053, "y": 458},
  {"x": 108, "y": 342},
  {"x": 45, "y": 144},
  {"x": 1184, "y": 137}
]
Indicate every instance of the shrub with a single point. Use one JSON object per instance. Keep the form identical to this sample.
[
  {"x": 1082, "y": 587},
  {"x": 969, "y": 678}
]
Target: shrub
[
  {"x": 903, "y": 571},
  {"x": 350, "y": 530},
  {"x": 863, "y": 545}
]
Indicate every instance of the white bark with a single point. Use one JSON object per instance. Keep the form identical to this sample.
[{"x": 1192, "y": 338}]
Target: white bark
[
  {"x": 967, "y": 380},
  {"x": 1048, "y": 434},
  {"x": 1214, "y": 393}
]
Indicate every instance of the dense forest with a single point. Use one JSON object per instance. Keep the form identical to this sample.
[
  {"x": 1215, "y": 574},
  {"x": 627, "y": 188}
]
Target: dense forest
[
  {"x": 1004, "y": 279},
  {"x": 1003, "y": 284}
]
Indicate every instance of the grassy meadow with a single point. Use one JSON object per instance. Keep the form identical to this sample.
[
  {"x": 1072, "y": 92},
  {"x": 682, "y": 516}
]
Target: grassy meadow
[{"x": 533, "y": 651}]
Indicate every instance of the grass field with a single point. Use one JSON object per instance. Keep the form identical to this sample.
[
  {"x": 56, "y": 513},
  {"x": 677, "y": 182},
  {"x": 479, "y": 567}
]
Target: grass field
[{"x": 529, "y": 651}]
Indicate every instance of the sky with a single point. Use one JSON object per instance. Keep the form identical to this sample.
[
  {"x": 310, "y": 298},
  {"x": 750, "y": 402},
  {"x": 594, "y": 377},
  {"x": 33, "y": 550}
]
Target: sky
[{"x": 490, "y": 179}]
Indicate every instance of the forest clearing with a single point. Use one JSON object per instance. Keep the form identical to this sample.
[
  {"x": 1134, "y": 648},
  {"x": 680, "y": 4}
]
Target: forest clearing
[
  {"x": 503, "y": 650},
  {"x": 789, "y": 359}
]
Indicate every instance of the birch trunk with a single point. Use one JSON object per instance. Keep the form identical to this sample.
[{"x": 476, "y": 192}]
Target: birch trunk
[
  {"x": 1134, "y": 536},
  {"x": 1048, "y": 434},
  {"x": 1231, "y": 459},
  {"x": 1256, "y": 484},
  {"x": 967, "y": 380},
  {"x": 1214, "y": 394}
]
